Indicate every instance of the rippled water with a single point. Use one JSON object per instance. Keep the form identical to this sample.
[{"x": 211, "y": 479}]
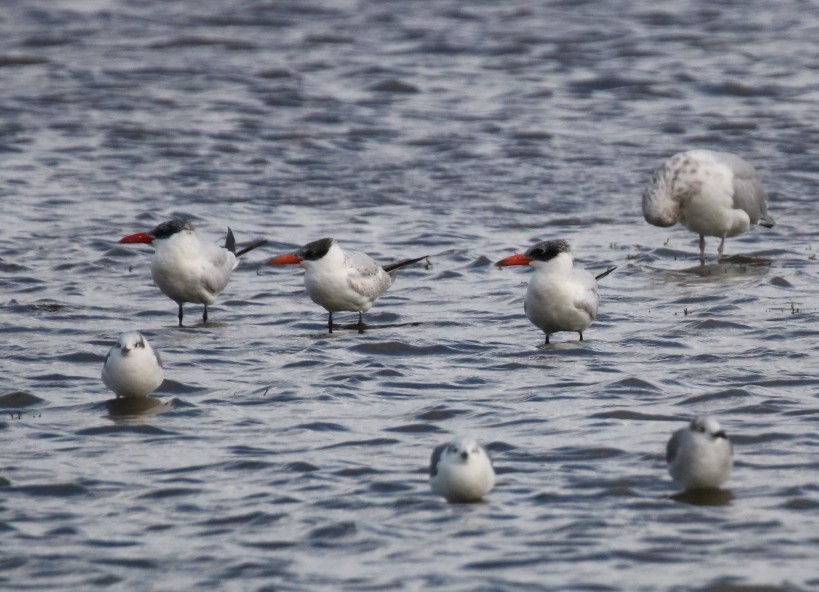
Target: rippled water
[{"x": 287, "y": 459}]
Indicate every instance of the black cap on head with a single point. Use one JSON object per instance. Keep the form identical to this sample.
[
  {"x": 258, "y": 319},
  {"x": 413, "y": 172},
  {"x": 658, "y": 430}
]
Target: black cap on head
[
  {"x": 546, "y": 250},
  {"x": 315, "y": 250},
  {"x": 171, "y": 227}
]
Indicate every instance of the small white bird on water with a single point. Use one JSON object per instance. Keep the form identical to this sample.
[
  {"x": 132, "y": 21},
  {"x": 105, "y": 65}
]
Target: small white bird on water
[
  {"x": 341, "y": 280},
  {"x": 559, "y": 297},
  {"x": 461, "y": 471},
  {"x": 700, "y": 455},
  {"x": 187, "y": 269},
  {"x": 710, "y": 193},
  {"x": 132, "y": 367}
]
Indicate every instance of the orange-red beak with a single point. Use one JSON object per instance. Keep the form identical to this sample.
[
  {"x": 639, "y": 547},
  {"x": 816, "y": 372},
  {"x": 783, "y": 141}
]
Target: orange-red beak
[
  {"x": 517, "y": 259},
  {"x": 139, "y": 237},
  {"x": 288, "y": 259}
]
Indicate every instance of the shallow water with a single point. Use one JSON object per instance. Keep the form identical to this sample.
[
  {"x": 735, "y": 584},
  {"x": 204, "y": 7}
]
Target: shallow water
[{"x": 283, "y": 458}]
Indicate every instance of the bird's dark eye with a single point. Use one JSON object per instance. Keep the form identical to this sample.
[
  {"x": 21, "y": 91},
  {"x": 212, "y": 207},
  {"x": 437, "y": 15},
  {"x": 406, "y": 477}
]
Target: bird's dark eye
[{"x": 453, "y": 449}]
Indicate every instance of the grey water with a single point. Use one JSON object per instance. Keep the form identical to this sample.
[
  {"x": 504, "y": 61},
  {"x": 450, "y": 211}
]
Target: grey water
[{"x": 284, "y": 458}]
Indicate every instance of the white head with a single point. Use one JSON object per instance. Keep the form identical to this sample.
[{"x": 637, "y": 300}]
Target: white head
[
  {"x": 462, "y": 451},
  {"x": 130, "y": 342},
  {"x": 704, "y": 424},
  {"x": 661, "y": 203}
]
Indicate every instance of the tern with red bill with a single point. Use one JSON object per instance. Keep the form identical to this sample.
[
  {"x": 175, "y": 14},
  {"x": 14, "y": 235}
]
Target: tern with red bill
[
  {"x": 187, "y": 269},
  {"x": 710, "y": 193},
  {"x": 341, "y": 280},
  {"x": 559, "y": 297}
]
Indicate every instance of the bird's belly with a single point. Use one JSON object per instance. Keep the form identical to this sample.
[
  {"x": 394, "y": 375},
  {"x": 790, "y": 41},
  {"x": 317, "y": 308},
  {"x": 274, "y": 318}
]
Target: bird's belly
[
  {"x": 713, "y": 217},
  {"x": 132, "y": 380},
  {"x": 183, "y": 283},
  {"x": 335, "y": 294},
  {"x": 555, "y": 310},
  {"x": 460, "y": 484}
]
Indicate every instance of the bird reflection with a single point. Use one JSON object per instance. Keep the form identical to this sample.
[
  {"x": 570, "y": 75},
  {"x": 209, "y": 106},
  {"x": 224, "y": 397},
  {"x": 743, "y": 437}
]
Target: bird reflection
[{"x": 133, "y": 406}]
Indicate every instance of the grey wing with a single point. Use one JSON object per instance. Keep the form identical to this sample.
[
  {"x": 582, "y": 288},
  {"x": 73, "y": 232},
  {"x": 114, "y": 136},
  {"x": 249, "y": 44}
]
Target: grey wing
[
  {"x": 673, "y": 445},
  {"x": 436, "y": 456},
  {"x": 216, "y": 272},
  {"x": 361, "y": 262},
  {"x": 158, "y": 359},
  {"x": 749, "y": 195},
  {"x": 366, "y": 276},
  {"x": 587, "y": 297}
]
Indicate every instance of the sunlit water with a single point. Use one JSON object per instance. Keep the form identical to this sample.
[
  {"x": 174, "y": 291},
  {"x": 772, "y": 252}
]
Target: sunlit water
[{"x": 282, "y": 458}]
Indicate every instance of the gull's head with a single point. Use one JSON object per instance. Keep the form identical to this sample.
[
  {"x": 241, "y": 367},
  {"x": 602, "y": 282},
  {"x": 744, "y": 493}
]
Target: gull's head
[
  {"x": 129, "y": 342},
  {"x": 661, "y": 199},
  {"x": 703, "y": 424},
  {"x": 462, "y": 450}
]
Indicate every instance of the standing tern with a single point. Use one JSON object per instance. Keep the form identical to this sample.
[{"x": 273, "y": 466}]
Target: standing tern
[
  {"x": 710, "y": 193},
  {"x": 132, "y": 367},
  {"x": 699, "y": 456},
  {"x": 461, "y": 471},
  {"x": 559, "y": 297},
  {"x": 187, "y": 269},
  {"x": 341, "y": 280}
]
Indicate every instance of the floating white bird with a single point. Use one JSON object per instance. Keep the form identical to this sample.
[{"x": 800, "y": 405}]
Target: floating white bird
[
  {"x": 461, "y": 471},
  {"x": 132, "y": 367},
  {"x": 187, "y": 269},
  {"x": 341, "y": 280},
  {"x": 559, "y": 297},
  {"x": 699, "y": 456},
  {"x": 710, "y": 193}
]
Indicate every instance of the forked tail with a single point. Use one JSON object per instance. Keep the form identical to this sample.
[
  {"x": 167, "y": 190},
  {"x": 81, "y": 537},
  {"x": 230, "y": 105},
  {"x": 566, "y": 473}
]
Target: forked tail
[{"x": 230, "y": 244}]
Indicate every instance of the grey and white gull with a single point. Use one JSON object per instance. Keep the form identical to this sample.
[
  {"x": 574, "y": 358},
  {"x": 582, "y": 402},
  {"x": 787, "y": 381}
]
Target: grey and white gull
[
  {"x": 461, "y": 471},
  {"x": 700, "y": 455},
  {"x": 711, "y": 193},
  {"x": 132, "y": 367}
]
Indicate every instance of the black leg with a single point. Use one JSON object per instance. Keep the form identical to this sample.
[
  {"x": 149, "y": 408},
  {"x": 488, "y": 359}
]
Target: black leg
[
  {"x": 581, "y": 335},
  {"x": 702, "y": 249},
  {"x": 205, "y": 314},
  {"x": 547, "y": 339},
  {"x": 180, "y": 314},
  {"x": 360, "y": 322},
  {"x": 330, "y": 322}
]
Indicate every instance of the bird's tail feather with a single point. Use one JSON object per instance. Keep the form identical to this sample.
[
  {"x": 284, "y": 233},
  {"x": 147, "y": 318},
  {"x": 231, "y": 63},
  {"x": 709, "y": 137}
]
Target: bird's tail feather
[
  {"x": 230, "y": 241},
  {"x": 230, "y": 244}
]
